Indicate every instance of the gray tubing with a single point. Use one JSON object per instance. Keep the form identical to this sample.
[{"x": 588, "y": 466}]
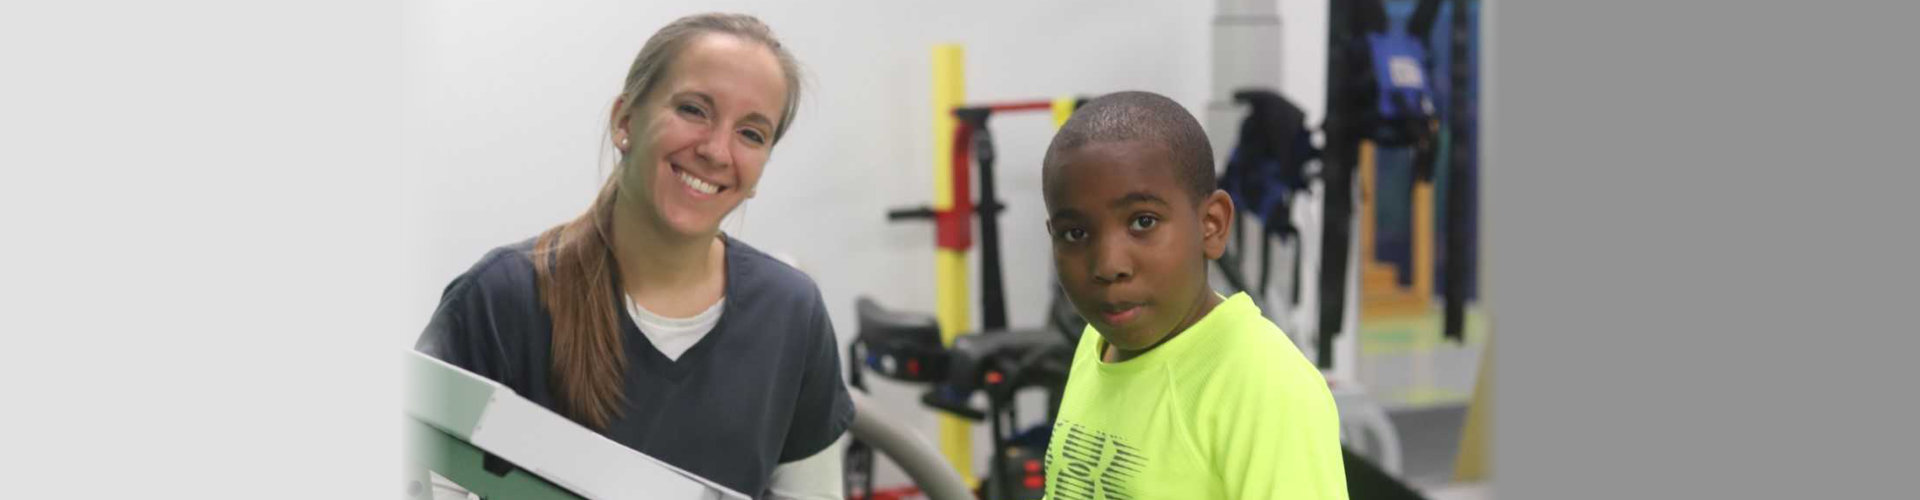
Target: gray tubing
[{"x": 921, "y": 461}]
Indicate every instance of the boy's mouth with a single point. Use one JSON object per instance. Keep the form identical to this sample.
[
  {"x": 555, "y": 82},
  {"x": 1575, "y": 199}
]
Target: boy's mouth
[{"x": 1120, "y": 314}]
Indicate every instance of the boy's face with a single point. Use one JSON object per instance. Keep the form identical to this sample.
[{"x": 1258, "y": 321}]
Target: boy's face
[{"x": 1130, "y": 243}]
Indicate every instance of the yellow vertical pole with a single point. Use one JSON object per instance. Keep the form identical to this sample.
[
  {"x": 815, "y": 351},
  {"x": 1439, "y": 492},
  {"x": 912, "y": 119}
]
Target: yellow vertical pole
[
  {"x": 1474, "y": 462},
  {"x": 1368, "y": 189},
  {"x": 950, "y": 265},
  {"x": 1423, "y": 227},
  {"x": 1062, "y": 109}
]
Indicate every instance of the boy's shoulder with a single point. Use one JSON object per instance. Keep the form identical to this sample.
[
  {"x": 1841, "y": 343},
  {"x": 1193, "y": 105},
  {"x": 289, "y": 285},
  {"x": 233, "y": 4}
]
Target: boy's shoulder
[
  {"x": 1246, "y": 348},
  {"x": 1241, "y": 330}
]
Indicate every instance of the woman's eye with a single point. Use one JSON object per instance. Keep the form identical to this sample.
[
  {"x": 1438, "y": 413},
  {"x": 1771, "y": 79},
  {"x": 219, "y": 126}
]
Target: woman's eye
[
  {"x": 1073, "y": 235},
  {"x": 1144, "y": 222},
  {"x": 692, "y": 110},
  {"x": 754, "y": 136}
]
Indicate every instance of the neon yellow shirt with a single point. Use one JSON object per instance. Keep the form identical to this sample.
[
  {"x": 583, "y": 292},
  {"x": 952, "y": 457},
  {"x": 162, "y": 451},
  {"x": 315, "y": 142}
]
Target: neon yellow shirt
[{"x": 1227, "y": 409}]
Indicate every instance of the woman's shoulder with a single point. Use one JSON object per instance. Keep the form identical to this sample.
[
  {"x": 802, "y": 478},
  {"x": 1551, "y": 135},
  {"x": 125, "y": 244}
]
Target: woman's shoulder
[
  {"x": 777, "y": 278},
  {"x": 503, "y": 274},
  {"x": 486, "y": 314}
]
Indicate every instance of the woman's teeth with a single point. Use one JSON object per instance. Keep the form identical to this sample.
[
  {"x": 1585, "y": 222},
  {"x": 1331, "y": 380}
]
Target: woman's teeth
[{"x": 703, "y": 187}]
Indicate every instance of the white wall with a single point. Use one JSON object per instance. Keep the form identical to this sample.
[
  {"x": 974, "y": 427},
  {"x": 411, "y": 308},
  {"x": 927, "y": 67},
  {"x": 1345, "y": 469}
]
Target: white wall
[
  {"x": 1303, "y": 56},
  {"x": 506, "y": 105}
]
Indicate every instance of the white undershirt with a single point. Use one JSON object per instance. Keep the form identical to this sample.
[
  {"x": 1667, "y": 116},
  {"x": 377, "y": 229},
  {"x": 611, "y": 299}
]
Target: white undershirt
[{"x": 673, "y": 336}]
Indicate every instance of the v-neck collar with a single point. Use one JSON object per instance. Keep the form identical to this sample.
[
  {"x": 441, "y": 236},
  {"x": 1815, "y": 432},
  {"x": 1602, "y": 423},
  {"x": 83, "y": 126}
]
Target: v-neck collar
[{"x": 658, "y": 362}]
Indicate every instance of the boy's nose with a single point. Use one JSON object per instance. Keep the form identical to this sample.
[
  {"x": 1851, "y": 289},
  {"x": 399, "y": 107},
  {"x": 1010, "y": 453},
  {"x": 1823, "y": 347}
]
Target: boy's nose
[{"x": 1111, "y": 265}]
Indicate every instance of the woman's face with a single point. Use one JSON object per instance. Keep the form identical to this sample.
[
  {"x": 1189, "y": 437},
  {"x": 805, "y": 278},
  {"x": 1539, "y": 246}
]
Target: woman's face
[{"x": 696, "y": 146}]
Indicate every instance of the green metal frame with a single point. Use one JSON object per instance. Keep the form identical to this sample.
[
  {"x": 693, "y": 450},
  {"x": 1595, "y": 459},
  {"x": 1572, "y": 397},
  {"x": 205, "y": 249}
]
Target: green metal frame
[
  {"x": 442, "y": 400},
  {"x": 430, "y": 449}
]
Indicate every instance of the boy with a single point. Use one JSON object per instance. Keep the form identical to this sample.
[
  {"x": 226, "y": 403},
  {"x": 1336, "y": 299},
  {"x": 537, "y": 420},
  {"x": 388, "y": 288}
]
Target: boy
[{"x": 1182, "y": 393}]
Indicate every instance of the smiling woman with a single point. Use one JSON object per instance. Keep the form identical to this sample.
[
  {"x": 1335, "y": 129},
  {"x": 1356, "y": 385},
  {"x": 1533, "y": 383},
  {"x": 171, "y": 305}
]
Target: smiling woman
[
  {"x": 643, "y": 321},
  {"x": 710, "y": 126}
]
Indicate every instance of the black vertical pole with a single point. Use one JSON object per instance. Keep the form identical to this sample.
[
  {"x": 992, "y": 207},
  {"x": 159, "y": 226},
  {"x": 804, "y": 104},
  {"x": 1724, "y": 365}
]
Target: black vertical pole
[
  {"x": 993, "y": 297},
  {"x": 1343, "y": 142},
  {"x": 1460, "y": 116}
]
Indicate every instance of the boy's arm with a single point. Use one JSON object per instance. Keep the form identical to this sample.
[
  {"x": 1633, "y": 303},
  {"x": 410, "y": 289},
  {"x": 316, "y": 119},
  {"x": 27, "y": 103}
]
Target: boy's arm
[{"x": 1277, "y": 436}]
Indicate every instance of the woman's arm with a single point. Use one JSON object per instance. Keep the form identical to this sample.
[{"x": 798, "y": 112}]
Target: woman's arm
[
  {"x": 811, "y": 462},
  {"x": 817, "y": 477}
]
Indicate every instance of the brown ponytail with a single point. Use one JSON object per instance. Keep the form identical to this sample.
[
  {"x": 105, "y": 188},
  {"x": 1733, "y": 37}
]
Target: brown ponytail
[{"x": 574, "y": 266}]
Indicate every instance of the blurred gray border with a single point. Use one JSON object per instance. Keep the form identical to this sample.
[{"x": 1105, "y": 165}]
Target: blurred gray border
[{"x": 1699, "y": 236}]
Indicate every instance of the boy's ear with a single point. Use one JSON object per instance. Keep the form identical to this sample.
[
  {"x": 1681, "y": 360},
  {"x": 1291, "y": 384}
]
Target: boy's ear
[{"x": 1216, "y": 222}]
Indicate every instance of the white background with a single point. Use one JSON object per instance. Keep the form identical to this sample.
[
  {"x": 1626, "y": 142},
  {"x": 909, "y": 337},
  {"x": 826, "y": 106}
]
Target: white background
[{"x": 204, "y": 258}]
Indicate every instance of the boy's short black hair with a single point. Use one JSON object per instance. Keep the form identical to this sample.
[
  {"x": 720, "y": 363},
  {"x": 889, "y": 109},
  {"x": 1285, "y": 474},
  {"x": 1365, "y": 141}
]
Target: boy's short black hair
[{"x": 1139, "y": 116}]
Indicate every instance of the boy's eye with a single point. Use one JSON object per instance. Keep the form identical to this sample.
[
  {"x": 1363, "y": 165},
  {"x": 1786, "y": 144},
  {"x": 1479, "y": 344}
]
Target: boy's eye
[
  {"x": 1074, "y": 235},
  {"x": 1143, "y": 222}
]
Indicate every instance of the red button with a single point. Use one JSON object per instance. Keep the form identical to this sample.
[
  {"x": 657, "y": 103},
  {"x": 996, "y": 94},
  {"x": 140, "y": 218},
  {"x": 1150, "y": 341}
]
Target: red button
[
  {"x": 1034, "y": 482},
  {"x": 1033, "y": 466},
  {"x": 913, "y": 367},
  {"x": 993, "y": 377}
]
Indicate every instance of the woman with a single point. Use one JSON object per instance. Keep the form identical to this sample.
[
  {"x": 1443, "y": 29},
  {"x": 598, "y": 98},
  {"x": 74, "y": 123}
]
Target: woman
[{"x": 640, "y": 319}]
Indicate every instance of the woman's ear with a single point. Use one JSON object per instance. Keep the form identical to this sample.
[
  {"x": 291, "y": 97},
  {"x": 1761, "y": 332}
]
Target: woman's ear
[
  {"x": 617, "y": 123},
  {"x": 1216, "y": 222}
]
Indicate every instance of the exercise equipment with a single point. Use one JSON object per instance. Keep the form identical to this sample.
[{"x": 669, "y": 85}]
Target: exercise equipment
[
  {"x": 1408, "y": 100},
  {"x": 1265, "y": 173},
  {"x": 953, "y": 202},
  {"x": 944, "y": 350},
  {"x": 494, "y": 443},
  {"x": 1246, "y": 74},
  {"x": 972, "y": 143},
  {"x": 1379, "y": 94},
  {"x": 999, "y": 364},
  {"x": 1424, "y": 93},
  {"x": 918, "y": 458},
  {"x": 960, "y": 362}
]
